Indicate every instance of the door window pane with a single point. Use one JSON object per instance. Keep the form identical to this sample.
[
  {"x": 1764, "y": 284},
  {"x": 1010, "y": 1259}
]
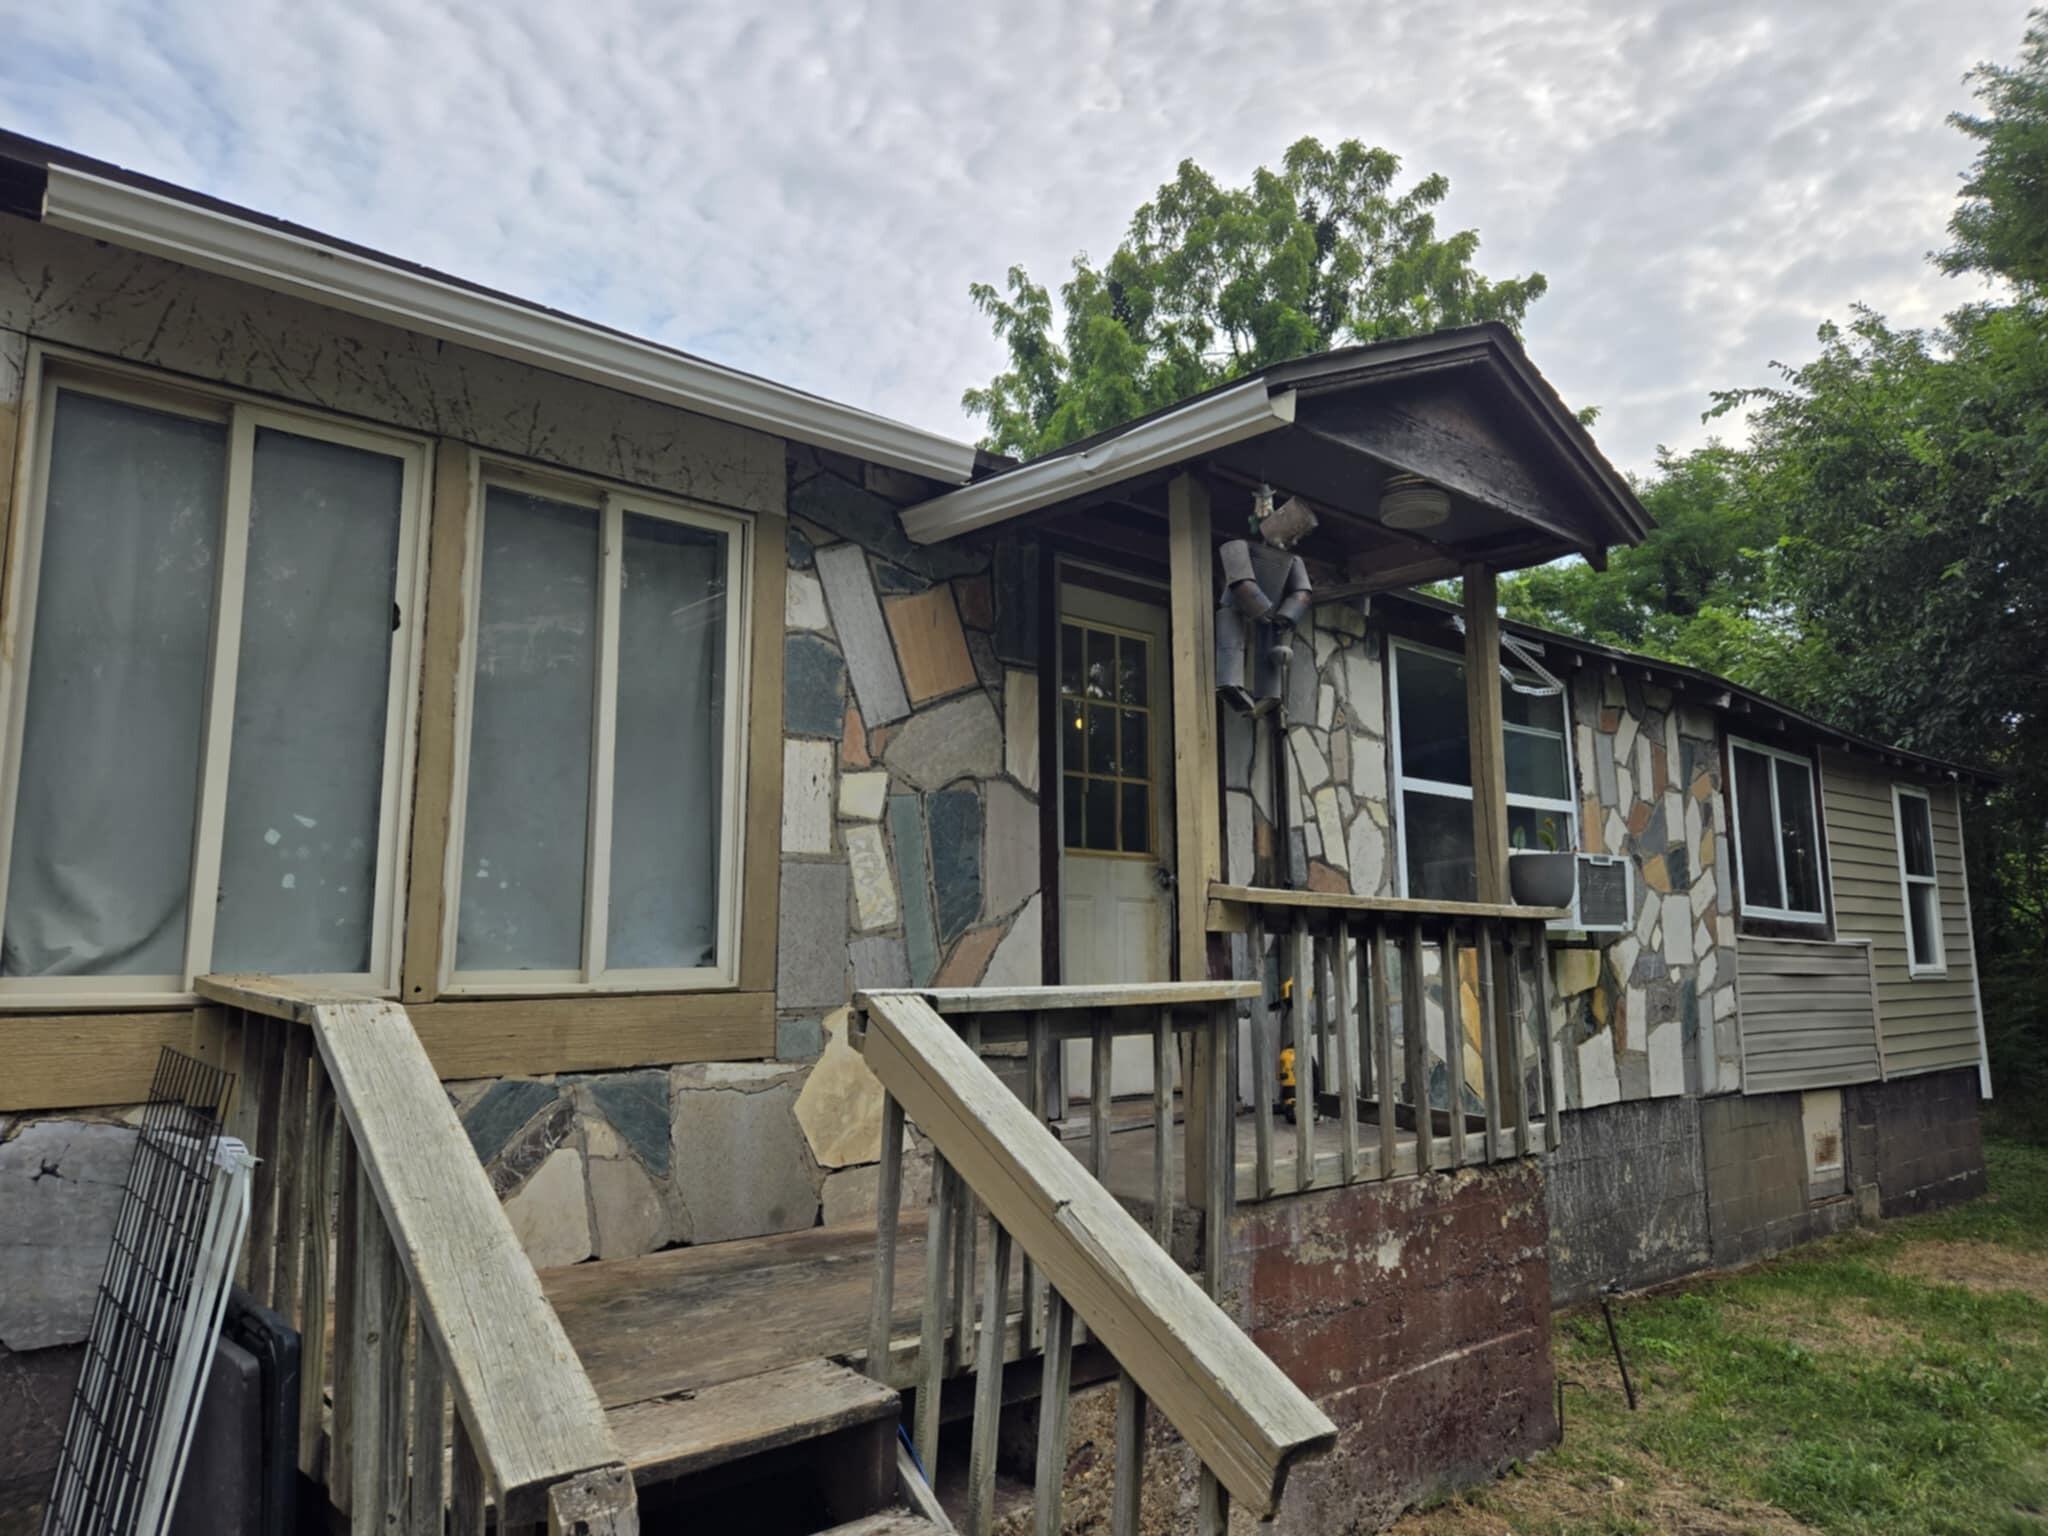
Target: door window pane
[
  {"x": 100, "y": 875},
  {"x": 306, "y": 771},
  {"x": 1800, "y": 836},
  {"x": 1923, "y": 918},
  {"x": 1434, "y": 741},
  {"x": 1757, "y": 830},
  {"x": 1099, "y": 825},
  {"x": 1137, "y": 818},
  {"x": 669, "y": 747},
  {"x": 1132, "y": 662},
  {"x": 526, "y": 828},
  {"x": 1438, "y": 847},
  {"x": 1917, "y": 835}
]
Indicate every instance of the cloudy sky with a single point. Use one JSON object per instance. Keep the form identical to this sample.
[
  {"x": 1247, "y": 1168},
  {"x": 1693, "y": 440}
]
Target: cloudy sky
[{"x": 805, "y": 189}]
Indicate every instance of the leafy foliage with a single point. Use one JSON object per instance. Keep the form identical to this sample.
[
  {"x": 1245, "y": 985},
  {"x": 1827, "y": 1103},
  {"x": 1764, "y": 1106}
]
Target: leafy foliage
[
  {"x": 2002, "y": 226},
  {"x": 1211, "y": 282}
]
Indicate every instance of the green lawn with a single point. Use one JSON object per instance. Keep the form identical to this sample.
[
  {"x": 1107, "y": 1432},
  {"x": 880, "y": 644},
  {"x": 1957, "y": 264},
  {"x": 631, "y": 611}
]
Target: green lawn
[{"x": 1891, "y": 1381}]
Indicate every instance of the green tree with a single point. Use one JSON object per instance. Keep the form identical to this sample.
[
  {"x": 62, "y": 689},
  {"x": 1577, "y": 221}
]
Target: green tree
[
  {"x": 2002, "y": 226},
  {"x": 1211, "y": 282}
]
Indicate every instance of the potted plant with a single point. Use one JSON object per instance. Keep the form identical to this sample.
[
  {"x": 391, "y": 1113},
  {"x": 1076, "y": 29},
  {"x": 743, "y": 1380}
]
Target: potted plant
[{"x": 1541, "y": 877}]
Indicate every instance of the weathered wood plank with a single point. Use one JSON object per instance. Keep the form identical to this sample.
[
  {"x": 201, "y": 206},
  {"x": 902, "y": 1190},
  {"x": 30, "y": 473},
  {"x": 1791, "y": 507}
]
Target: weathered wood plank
[
  {"x": 931, "y": 1350},
  {"x": 1301, "y": 1025},
  {"x": 988, "y": 1387},
  {"x": 1341, "y": 1003},
  {"x": 957, "y": 1002},
  {"x": 1415, "y": 1042},
  {"x": 1127, "y": 1495},
  {"x": 760, "y": 883},
  {"x": 295, "y": 1144},
  {"x": 316, "y": 1211},
  {"x": 347, "y": 1303},
  {"x": 1191, "y": 599},
  {"x": 1234, "y": 1406},
  {"x": 261, "y": 1253},
  {"x": 468, "y": 1496},
  {"x": 427, "y": 1496},
  {"x": 670, "y": 1438},
  {"x": 1383, "y": 1051},
  {"x": 1098, "y": 1103},
  {"x": 595, "y": 1503},
  {"x": 1395, "y": 906},
  {"x": 1454, "y": 1041},
  {"x": 888, "y": 1213},
  {"x": 1489, "y": 1038},
  {"x": 1055, "y": 1385},
  {"x": 1483, "y": 719},
  {"x": 1265, "y": 1057},
  {"x": 376, "y": 1347},
  {"x": 1162, "y": 1129}
]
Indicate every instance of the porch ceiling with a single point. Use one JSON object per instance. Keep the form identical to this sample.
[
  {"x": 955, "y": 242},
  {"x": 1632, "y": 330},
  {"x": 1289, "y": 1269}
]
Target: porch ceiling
[{"x": 1464, "y": 409}]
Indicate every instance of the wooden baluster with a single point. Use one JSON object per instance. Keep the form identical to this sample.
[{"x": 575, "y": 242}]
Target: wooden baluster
[
  {"x": 1518, "y": 1053},
  {"x": 1127, "y": 1496},
  {"x": 931, "y": 1352},
  {"x": 1454, "y": 1040},
  {"x": 341, "y": 1437},
  {"x": 1346, "y": 1025},
  {"x": 1489, "y": 1041},
  {"x": 295, "y": 1151},
  {"x": 1415, "y": 1042},
  {"x": 1039, "y": 1063},
  {"x": 1212, "y": 1510},
  {"x": 1221, "y": 1185},
  {"x": 1162, "y": 1128},
  {"x": 316, "y": 1212},
  {"x": 1265, "y": 1056},
  {"x": 988, "y": 1384},
  {"x": 377, "y": 1364},
  {"x": 268, "y": 1083},
  {"x": 429, "y": 1403},
  {"x": 1300, "y": 1018},
  {"x": 1100, "y": 1072},
  {"x": 1055, "y": 1383},
  {"x": 888, "y": 1203},
  {"x": 466, "y": 1495},
  {"x": 966, "y": 1232},
  {"x": 1539, "y": 982},
  {"x": 1383, "y": 1050}
]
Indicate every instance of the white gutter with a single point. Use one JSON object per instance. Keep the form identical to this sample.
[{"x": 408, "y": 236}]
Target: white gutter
[
  {"x": 1216, "y": 421},
  {"x": 287, "y": 263}
]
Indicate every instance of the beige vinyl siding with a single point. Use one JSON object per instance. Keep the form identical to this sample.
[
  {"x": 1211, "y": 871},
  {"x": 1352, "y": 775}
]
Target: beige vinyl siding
[
  {"x": 1927, "y": 1022},
  {"x": 1807, "y": 1013}
]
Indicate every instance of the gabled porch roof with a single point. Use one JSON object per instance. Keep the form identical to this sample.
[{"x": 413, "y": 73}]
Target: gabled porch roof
[{"x": 1464, "y": 409}]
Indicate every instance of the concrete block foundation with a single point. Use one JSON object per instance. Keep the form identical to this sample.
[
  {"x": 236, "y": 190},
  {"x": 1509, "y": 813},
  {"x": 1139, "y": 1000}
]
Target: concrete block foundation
[{"x": 1627, "y": 1197}]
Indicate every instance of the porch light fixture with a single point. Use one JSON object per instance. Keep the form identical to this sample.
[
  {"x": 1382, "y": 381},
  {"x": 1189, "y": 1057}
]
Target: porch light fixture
[{"x": 1409, "y": 501}]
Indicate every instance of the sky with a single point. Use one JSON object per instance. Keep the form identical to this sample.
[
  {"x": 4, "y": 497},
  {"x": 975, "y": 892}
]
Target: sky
[{"x": 806, "y": 189}]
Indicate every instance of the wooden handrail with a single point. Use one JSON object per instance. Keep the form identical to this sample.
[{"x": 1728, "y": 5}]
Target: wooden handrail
[
  {"x": 1246, "y": 1421},
  {"x": 1223, "y": 897},
  {"x": 524, "y": 1403}
]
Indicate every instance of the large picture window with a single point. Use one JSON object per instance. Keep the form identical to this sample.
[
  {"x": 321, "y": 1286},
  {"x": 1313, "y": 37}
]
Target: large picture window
[
  {"x": 1913, "y": 813},
  {"x": 1777, "y": 834},
  {"x": 209, "y": 707},
  {"x": 1433, "y": 772},
  {"x": 598, "y": 840}
]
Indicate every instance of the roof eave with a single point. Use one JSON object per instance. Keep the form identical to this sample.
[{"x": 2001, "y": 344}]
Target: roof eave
[{"x": 205, "y": 237}]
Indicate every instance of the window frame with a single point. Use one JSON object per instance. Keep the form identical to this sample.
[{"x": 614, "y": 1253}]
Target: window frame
[
  {"x": 1749, "y": 906},
  {"x": 1568, "y": 842},
  {"x": 612, "y": 502},
  {"x": 54, "y": 371},
  {"x": 1907, "y": 881}
]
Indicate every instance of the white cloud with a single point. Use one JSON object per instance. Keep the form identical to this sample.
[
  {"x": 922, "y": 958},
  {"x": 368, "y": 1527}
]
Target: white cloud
[{"x": 807, "y": 190}]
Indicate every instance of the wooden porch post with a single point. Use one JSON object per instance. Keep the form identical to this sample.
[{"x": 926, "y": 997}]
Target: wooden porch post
[
  {"x": 1196, "y": 816},
  {"x": 1483, "y": 717}
]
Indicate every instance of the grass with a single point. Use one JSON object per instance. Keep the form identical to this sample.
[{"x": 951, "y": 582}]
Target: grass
[{"x": 1891, "y": 1381}]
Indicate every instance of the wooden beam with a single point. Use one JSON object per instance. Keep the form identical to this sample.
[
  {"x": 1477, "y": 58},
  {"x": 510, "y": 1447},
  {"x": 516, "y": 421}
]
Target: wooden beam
[
  {"x": 1079, "y": 999},
  {"x": 1233, "y": 1405},
  {"x": 1228, "y": 904},
  {"x": 76, "y": 1060},
  {"x": 1483, "y": 720},
  {"x": 433, "y": 787},
  {"x": 1196, "y": 815}
]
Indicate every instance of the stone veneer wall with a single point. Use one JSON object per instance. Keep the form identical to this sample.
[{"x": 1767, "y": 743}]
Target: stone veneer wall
[{"x": 1650, "y": 1013}]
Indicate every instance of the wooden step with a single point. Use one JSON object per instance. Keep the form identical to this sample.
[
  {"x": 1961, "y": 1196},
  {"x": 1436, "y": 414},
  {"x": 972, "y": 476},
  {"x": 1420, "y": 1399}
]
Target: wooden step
[
  {"x": 669, "y": 1438},
  {"x": 894, "y": 1523}
]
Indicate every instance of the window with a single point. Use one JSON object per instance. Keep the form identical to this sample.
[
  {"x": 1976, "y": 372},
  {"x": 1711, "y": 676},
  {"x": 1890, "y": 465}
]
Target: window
[
  {"x": 1914, "y": 814},
  {"x": 209, "y": 725},
  {"x": 599, "y": 829},
  {"x": 1433, "y": 773},
  {"x": 1106, "y": 777},
  {"x": 1777, "y": 834}
]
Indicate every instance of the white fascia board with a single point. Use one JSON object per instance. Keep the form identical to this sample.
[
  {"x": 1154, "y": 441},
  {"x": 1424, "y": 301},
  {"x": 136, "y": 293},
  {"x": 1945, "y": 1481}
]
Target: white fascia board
[
  {"x": 1216, "y": 421},
  {"x": 287, "y": 263}
]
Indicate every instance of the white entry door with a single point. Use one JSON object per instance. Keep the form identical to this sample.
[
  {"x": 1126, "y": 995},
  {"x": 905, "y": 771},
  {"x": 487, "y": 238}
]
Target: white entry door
[{"x": 1116, "y": 808}]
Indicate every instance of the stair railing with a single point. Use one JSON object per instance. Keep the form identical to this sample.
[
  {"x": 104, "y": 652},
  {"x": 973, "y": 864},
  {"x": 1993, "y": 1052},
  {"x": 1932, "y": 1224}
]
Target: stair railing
[
  {"x": 1095, "y": 1265},
  {"x": 376, "y": 1234}
]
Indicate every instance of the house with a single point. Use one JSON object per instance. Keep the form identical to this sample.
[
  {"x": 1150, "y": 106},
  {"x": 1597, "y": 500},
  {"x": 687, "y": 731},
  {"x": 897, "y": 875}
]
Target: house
[{"x": 666, "y": 854}]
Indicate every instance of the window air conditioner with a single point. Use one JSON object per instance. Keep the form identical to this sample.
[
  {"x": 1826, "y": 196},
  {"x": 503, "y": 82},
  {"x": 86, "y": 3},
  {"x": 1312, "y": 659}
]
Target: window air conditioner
[{"x": 1604, "y": 904}]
